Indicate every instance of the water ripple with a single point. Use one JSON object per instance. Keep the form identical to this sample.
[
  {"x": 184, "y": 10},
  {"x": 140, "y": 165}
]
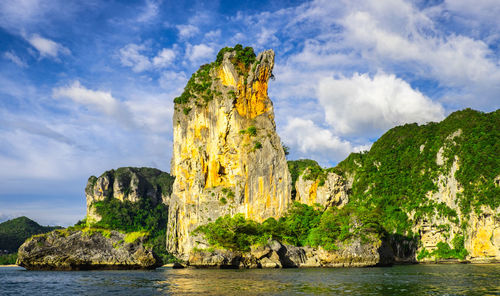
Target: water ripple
[{"x": 411, "y": 280}]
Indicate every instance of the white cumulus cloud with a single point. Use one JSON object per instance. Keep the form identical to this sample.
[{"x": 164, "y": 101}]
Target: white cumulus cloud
[
  {"x": 307, "y": 140},
  {"x": 164, "y": 58},
  {"x": 363, "y": 106},
  {"x": 200, "y": 52},
  {"x": 130, "y": 56}
]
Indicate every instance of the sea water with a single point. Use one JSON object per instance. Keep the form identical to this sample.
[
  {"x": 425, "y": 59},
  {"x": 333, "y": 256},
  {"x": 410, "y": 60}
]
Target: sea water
[{"x": 459, "y": 279}]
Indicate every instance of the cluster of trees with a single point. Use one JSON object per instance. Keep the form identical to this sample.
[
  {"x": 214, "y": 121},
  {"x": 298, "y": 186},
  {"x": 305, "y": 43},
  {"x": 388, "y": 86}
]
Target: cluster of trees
[
  {"x": 198, "y": 86},
  {"x": 8, "y": 259},
  {"x": 444, "y": 251},
  {"x": 303, "y": 225},
  {"x": 245, "y": 56}
]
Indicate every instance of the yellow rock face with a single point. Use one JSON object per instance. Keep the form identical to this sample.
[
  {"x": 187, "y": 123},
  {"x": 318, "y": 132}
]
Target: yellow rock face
[
  {"x": 484, "y": 236},
  {"x": 481, "y": 244},
  {"x": 226, "y": 75},
  {"x": 219, "y": 167},
  {"x": 313, "y": 192},
  {"x": 253, "y": 100}
]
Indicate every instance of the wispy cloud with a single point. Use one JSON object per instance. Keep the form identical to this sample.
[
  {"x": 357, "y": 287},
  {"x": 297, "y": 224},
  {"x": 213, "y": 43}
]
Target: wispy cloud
[
  {"x": 172, "y": 81},
  {"x": 131, "y": 56},
  {"x": 199, "y": 53},
  {"x": 187, "y": 31},
  {"x": 47, "y": 48},
  {"x": 164, "y": 58},
  {"x": 149, "y": 12},
  {"x": 99, "y": 101},
  {"x": 11, "y": 56}
]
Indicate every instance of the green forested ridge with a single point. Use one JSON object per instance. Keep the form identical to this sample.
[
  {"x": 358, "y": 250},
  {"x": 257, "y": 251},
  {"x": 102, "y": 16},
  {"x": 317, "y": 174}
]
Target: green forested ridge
[
  {"x": 8, "y": 259},
  {"x": 14, "y": 232},
  {"x": 400, "y": 168},
  {"x": 390, "y": 180}
]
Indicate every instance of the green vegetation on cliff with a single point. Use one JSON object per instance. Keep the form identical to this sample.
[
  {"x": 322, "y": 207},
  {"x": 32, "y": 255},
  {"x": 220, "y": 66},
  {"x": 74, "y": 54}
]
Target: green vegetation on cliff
[
  {"x": 394, "y": 177},
  {"x": 14, "y": 232},
  {"x": 444, "y": 251},
  {"x": 390, "y": 181},
  {"x": 313, "y": 172},
  {"x": 245, "y": 56},
  {"x": 142, "y": 216},
  {"x": 199, "y": 86},
  {"x": 303, "y": 225},
  {"x": 143, "y": 212}
]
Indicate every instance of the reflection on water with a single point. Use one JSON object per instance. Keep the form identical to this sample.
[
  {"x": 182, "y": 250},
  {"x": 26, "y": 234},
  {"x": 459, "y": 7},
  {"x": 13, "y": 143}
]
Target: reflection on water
[{"x": 397, "y": 280}]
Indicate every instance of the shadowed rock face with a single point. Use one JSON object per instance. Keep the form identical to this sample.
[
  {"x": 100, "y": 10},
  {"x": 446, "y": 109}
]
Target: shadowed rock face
[
  {"x": 127, "y": 183},
  {"x": 82, "y": 250},
  {"x": 227, "y": 157},
  {"x": 277, "y": 255}
]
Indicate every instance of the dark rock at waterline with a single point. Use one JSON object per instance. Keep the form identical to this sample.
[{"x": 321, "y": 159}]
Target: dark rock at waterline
[
  {"x": 277, "y": 255},
  {"x": 84, "y": 250}
]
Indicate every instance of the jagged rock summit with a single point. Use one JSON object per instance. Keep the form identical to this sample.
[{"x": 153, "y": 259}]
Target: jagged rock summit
[{"x": 227, "y": 157}]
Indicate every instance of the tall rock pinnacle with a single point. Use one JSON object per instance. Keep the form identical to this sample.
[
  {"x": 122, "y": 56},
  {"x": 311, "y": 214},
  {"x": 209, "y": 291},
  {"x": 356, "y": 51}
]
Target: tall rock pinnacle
[{"x": 227, "y": 157}]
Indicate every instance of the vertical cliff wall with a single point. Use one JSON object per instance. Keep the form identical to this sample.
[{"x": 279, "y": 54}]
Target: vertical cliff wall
[
  {"x": 227, "y": 157},
  {"x": 127, "y": 184}
]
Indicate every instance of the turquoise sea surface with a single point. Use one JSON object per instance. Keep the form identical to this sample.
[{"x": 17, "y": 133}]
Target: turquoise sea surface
[{"x": 456, "y": 279}]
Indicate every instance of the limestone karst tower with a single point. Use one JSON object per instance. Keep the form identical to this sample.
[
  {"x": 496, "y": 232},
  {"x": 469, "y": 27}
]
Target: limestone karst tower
[{"x": 227, "y": 157}]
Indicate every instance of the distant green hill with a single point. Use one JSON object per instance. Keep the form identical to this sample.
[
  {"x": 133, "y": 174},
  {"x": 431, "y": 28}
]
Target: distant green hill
[{"x": 14, "y": 232}]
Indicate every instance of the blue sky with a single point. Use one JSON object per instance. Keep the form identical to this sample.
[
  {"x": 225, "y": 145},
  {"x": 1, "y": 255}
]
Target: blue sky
[{"x": 86, "y": 86}]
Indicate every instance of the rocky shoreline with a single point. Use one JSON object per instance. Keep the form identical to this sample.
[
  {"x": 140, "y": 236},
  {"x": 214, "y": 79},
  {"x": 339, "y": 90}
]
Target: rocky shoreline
[
  {"x": 97, "y": 249},
  {"x": 277, "y": 255},
  {"x": 84, "y": 250}
]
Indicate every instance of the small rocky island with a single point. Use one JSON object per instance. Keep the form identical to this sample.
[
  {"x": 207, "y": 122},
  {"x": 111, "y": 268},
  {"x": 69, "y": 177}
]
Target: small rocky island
[
  {"x": 428, "y": 193},
  {"x": 124, "y": 227},
  {"x": 86, "y": 249}
]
